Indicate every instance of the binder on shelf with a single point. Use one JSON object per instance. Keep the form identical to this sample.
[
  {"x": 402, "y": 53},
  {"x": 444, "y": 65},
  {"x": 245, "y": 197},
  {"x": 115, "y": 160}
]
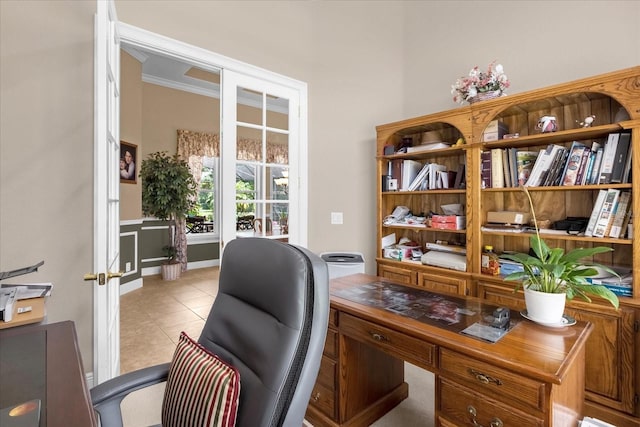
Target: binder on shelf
[
  {"x": 626, "y": 175},
  {"x": 605, "y": 218},
  {"x": 420, "y": 177},
  {"x": 608, "y": 158},
  {"x": 497, "y": 168},
  {"x": 597, "y": 206},
  {"x": 622, "y": 210},
  {"x": 620, "y": 158}
]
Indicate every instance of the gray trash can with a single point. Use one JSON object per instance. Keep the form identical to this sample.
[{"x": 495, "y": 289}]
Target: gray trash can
[{"x": 343, "y": 263}]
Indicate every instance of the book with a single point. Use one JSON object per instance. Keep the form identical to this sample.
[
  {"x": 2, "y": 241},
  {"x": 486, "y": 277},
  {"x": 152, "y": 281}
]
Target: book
[
  {"x": 595, "y": 173},
  {"x": 626, "y": 175},
  {"x": 543, "y": 162},
  {"x": 485, "y": 169},
  {"x": 435, "y": 176},
  {"x": 497, "y": 168},
  {"x": 586, "y": 179},
  {"x": 513, "y": 166},
  {"x": 605, "y": 217},
  {"x": 570, "y": 172},
  {"x": 586, "y": 154},
  {"x": 506, "y": 168},
  {"x": 622, "y": 209},
  {"x": 620, "y": 158},
  {"x": 553, "y": 175},
  {"x": 595, "y": 212},
  {"x": 525, "y": 161},
  {"x": 410, "y": 169},
  {"x": 417, "y": 181},
  {"x": 608, "y": 158},
  {"x": 461, "y": 181}
]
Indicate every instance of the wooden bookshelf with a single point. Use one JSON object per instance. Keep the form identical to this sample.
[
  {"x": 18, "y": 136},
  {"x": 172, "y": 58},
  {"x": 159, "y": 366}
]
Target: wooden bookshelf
[{"x": 613, "y": 350}]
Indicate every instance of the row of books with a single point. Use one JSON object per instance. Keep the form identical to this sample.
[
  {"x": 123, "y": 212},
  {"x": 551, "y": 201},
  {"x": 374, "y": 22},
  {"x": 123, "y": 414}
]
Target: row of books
[
  {"x": 412, "y": 175},
  {"x": 556, "y": 165},
  {"x": 610, "y": 215}
]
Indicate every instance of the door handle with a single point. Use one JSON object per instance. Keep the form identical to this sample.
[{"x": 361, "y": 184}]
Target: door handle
[{"x": 101, "y": 277}]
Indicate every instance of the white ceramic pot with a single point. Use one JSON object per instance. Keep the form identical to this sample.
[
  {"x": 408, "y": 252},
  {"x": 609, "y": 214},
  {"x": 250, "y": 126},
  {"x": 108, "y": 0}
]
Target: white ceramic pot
[{"x": 543, "y": 307}]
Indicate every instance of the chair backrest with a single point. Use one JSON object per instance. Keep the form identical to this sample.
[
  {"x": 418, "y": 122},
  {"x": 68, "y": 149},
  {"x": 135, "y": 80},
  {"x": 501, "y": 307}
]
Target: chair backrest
[{"x": 269, "y": 320}]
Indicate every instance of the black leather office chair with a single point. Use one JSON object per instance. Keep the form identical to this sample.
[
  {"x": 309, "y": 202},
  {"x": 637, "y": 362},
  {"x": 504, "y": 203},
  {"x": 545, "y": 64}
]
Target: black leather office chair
[{"x": 269, "y": 320}]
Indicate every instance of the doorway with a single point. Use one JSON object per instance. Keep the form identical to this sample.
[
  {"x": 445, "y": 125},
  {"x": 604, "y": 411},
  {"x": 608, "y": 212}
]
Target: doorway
[{"x": 208, "y": 61}]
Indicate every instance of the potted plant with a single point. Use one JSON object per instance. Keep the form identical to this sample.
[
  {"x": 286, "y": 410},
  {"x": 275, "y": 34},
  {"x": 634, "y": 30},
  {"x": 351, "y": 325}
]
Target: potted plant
[
  {"x": 168, "y": 193},
  {"x": 552, "y": 276}
]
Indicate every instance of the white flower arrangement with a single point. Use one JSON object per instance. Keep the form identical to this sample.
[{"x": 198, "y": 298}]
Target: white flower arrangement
[{"x": 494, "y": 79}]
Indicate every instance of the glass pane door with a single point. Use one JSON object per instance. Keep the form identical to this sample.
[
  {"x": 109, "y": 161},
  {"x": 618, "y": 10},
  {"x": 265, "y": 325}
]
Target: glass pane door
[{"x": 263, "y": 135}]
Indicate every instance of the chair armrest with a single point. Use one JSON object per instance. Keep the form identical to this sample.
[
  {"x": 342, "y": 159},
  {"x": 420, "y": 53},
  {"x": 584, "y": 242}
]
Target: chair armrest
[{"x": 106, "y": 397}]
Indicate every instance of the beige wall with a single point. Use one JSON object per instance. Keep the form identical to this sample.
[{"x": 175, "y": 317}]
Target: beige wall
[{"x": 366, "y": 63}]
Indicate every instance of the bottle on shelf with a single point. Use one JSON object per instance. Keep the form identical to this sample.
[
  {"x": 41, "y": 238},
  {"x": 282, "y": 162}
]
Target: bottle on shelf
[{"x": 490, "y": 263}]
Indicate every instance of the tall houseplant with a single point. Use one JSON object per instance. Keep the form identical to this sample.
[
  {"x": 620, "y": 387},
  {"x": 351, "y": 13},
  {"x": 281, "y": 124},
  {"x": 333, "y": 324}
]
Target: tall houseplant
[
  {"x": 168, "y": 193},
  {"x": 552, "y": 271}
]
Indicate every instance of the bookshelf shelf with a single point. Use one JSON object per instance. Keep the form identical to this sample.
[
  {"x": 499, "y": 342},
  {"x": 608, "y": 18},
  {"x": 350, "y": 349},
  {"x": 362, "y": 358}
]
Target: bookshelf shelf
[
  {"x": 560, "y": 188},
  {"x": 614, "y": 345}
]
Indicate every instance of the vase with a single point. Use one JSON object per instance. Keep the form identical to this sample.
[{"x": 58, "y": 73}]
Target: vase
[
  {"x": 484, "y": 96},
  {"x": 543, "y": 307},
  {"x": 171, "y": 271}
]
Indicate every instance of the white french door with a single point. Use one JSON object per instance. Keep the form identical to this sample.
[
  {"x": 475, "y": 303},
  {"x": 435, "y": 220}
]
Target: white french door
[
  {"x": 106, "y": 251},
  {"x": 262, "y": 148}
]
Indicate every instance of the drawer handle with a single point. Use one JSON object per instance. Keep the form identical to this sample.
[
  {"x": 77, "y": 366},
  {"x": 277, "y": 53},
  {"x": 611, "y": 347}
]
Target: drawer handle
[
  {"x": 495, "y": 421},
  {"x": 378, "y": 337},
  {"x": 484, "y": 378},
  {"x": 316, "y": 397}
]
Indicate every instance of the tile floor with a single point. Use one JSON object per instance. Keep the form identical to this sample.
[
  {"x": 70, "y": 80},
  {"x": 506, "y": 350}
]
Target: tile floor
[{"x": 152, "y": 317}]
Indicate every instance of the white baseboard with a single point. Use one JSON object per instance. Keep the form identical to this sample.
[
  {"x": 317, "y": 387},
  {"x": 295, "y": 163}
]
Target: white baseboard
[
  {"x": 125, "y": 288},
  {"x": 150, "y": 271}
]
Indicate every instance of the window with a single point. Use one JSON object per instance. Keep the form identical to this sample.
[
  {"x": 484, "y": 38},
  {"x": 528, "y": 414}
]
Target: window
[{"x": 204, "y": 218}]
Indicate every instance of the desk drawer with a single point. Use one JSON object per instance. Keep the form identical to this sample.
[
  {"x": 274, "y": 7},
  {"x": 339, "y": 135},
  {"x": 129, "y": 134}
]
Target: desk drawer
[
  {"x": 489, "y": 380},
  {"x": 331, "y": 343},
  {"x": 324, "y": 391},
  {"x": 439, "y": 283},
  {"x": 393, "y": 342},
  {"x": 462, "y": 406}
]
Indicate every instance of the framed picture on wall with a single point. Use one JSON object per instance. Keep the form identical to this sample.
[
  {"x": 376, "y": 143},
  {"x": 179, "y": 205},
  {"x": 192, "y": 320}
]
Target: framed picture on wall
[{"x": 128, "y": 159}]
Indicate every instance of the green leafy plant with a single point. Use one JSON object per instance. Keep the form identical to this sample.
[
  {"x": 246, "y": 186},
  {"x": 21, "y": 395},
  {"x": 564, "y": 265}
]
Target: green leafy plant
[
  {"x": 168, "y": 192},
  {"x": 554, "y": 271}
]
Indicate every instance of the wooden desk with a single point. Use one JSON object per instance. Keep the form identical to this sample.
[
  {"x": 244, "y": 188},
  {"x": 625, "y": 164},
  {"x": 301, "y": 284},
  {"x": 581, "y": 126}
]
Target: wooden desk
[
  {"x": 532, "y": 376},
  {"x": 42, "y": 362}
]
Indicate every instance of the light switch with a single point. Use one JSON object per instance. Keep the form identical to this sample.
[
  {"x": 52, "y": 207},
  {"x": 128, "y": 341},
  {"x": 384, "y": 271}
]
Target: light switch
[{"x": 336, "y": 217}]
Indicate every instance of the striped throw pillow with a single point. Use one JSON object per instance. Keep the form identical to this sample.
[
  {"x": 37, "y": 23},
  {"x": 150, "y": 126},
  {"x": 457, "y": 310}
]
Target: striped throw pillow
[{"x": 201, "y": 389}]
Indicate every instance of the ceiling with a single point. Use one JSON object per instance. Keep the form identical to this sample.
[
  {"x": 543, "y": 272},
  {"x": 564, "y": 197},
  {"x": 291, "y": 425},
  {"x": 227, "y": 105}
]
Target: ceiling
[{"x": 180, "y": 75}]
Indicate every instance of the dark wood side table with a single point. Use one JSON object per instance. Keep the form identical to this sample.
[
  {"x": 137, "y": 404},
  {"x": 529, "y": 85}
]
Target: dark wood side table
[{"x": 42, "y": 363}]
